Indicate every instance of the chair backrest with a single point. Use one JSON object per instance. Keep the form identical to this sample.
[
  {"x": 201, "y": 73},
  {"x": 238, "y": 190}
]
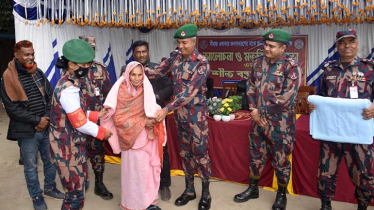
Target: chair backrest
[
  {"x": 209, "y": 85},
  {"x": 242, "y": 91},
  {"x": 311, "y": 89},
  {"x": 231, "y": 87},
  {"x": 301, "y": 103}
]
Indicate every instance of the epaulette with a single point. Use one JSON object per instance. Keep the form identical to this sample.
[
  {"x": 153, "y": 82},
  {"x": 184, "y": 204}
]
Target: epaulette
[
  {"x": 202, "y": 58},
  {"x": 258, "y": 61},
  {"x": 99, "y": 63},
  {"x": 368, "y": 61},
  {"x": 291, "y": 61},
  {"x": 327, "y": 63},
  {"x": 174, "y": 53}
]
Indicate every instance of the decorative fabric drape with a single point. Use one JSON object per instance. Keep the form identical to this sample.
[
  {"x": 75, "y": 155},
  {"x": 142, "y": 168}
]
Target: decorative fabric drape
[{"x": 204, "y": 13}]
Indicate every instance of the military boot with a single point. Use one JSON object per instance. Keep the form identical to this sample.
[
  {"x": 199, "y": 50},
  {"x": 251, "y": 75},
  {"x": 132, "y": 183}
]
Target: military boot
[
  {"x": 361, "y": 207},
  {"x": 189, "y": 193},
  {"x": 100, "y": 188},
  {"x": 250, "y": 193},
  {"x": 280, "y": 200},
  {"x": 325, "y": 204},
  {"x": 206, "y": 199}
]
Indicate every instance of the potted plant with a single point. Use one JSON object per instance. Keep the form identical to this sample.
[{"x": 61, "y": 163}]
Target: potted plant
[
  {"x": 235, "y": 104},
  {"x": 226, "y": 109},
  {"x": 214, "y": 106}
]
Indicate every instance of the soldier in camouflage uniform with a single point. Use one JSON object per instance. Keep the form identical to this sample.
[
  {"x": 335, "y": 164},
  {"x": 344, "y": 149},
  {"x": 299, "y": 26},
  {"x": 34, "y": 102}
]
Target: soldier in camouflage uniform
[
  {"x": 98, "y": 78},
  {"x": 189, "y": 70},
  {"x": 272, "y": 89},
  {"x": 69, "y": 125},
  {"x": 338, "y": 79}
]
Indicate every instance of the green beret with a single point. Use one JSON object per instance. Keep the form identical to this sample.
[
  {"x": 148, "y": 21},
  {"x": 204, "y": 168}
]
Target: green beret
[
  {"x": 277, "y": 35},
  {"x": 186, "y": 31},
  {"x": 78, "y": 51}
]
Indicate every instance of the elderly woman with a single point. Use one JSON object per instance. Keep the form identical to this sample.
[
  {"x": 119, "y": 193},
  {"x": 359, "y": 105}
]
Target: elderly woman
[
  {"x": 69, "y": 124},
  {"x": 137, "y": 136}
]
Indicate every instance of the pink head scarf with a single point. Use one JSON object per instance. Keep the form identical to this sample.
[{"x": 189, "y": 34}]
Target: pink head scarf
[
  {"x": 150, "y": 105},
  {"x": 131, "y": 66}
]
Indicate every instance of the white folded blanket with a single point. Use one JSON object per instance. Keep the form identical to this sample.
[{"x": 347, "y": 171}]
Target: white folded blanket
[{"x": 340, "y": 120}]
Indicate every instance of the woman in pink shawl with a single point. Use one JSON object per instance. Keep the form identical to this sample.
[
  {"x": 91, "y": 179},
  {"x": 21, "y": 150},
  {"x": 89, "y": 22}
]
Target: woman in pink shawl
[{"x": 138, "y": 137}]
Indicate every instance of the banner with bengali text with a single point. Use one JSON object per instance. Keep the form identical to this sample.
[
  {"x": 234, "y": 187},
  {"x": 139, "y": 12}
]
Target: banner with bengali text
[{"x": 230, "y": 57}]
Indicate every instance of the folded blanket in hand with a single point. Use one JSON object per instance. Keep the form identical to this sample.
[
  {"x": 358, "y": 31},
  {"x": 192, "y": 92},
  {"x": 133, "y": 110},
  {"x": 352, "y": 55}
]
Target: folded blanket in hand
[{"x": 340, "y": 120}]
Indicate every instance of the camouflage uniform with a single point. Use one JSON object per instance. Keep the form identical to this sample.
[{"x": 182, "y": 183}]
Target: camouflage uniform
[
  {"x": 272, "y": 89},
  {"x": 97, "y": 77},
  {"x": 189, "y": 78},
  {"x": 68, "y": 146},
  {"x": 336, "y": 81}
]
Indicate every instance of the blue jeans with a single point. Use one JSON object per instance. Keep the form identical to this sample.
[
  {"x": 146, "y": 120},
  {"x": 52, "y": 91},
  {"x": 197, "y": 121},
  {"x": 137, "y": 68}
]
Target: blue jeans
[{"x": 29, "y": 150}]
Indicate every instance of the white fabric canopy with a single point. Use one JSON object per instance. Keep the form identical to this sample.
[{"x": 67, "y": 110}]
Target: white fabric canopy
[{"x": 320, "y": 39}]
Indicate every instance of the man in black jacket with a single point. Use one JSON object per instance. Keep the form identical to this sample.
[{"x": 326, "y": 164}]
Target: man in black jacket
[
  {"x": 163, "y": 90},
  {"x": 26, "y": 94}
]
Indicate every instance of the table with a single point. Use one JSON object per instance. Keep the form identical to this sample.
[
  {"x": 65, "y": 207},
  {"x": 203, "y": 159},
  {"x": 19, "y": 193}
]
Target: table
[
  {"x": 228, "y": 150},
  {"x": 229, "y": 154}
]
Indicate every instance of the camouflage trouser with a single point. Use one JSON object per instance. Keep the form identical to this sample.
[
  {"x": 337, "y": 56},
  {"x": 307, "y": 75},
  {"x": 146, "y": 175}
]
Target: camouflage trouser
[
  {"x": 74, "y": 180},
  {"x": 96, "y": 153},
  {"x": 359, "y": 158},
  {"x": 193, "y": 147},
  {"x": 278, "y": 142}
]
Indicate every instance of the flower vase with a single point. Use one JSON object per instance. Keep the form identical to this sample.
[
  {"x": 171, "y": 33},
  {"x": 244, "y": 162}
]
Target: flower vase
[
  {"x": 232, "y": 117},
  {"x": 217, "y": 117},
  {"x": 226, "y": 118}
]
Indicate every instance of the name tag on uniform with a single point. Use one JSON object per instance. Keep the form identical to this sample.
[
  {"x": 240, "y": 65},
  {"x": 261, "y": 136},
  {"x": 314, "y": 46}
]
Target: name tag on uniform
[
  {"x": 353, "y": 91},
  {"x": 331, "y": 77},
  {"x": 97, "y": 91}
]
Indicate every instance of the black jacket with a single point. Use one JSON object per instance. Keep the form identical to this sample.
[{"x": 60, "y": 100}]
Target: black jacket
[
  {"x": 163, "y": 88},
  {"x": 22, "y": 122}
]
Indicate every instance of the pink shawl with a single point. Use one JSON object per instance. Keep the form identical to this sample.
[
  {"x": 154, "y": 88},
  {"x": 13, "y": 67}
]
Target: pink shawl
[{"x": 150, "y": 107}]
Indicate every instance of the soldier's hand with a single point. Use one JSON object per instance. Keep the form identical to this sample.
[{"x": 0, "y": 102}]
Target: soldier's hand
[
  {"x": 312, "y": 107},
  {"x": 262, "y": 122},
  {"x": 37, "y": 128},
  {"x": 108, "y": 134},
  {"x": 369, "y": 112},
  {"x": 255, "y": 115},
  {"x": 161, "y": 114},
  {"x": 150, "y": 123},
  {"x": 43, "y": 123},
  {"x": 103, "y": 112}
]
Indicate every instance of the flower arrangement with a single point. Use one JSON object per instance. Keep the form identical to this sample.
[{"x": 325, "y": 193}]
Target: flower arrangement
[
  {"x": 226, "y": 109},
  {"x": 235, "y": 103},
  {"x": 214, "y": 105},
  {"x": 227, "y": 14}
]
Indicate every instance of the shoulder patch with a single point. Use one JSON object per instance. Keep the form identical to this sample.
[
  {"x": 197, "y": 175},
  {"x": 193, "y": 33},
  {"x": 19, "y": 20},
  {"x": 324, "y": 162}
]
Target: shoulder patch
[
  {"x": 293, "y": 76},
  {"x": 201, "y": 70}
]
